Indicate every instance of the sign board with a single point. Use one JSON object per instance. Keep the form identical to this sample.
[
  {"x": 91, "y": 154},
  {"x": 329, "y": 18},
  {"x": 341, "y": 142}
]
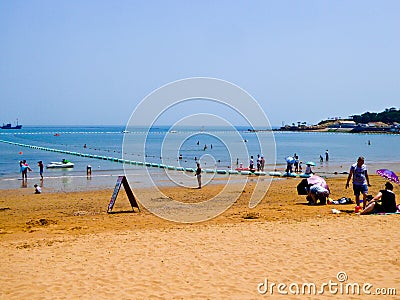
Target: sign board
[{"x": 122, "y": 181}]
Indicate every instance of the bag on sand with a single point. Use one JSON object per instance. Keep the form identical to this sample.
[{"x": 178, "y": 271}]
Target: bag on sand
[{"x": 343, "y": 200}]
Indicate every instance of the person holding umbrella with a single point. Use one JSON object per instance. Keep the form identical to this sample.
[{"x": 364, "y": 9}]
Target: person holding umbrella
[
  {"x": 360, "y": 180},
  {"x": 289, "y": 164}
]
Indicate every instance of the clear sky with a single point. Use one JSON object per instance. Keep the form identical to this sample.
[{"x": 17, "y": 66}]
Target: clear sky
[{"x": 91, "y": 62}]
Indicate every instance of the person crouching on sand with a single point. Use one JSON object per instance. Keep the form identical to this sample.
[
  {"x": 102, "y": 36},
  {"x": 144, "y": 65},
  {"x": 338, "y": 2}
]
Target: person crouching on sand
[
  {"x": 316, "y": 193},
  {"x": 38, "y": 190}
]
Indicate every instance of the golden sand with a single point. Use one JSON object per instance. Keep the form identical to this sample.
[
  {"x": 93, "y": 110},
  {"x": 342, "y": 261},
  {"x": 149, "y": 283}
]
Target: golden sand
[{"x": 66, "y": 246}]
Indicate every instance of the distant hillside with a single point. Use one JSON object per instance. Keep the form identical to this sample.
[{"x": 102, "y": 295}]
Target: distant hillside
[{"x": 388, "y": 116}]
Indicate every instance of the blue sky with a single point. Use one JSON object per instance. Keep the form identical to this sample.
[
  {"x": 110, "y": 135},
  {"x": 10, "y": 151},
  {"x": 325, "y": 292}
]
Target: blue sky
[{"x": 92, "y": 62}]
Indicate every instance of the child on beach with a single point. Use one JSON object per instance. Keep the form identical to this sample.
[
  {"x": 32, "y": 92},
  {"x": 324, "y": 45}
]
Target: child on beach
[{"x": 38, "y": 190}]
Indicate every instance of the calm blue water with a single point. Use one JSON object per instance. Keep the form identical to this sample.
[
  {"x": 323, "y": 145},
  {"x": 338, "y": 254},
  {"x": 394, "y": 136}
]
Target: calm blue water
[{"x": 223, "y": 149}]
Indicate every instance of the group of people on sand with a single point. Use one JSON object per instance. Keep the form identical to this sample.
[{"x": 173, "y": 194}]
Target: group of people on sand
[
  {"x": 359, "y": 175},
  {"x": 298, "y": 166},
  {"x": 24, "y": 168}
]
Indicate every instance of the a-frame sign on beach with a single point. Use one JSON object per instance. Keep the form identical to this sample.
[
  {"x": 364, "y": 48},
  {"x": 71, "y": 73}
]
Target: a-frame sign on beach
[{"x": 122, "y": 181}]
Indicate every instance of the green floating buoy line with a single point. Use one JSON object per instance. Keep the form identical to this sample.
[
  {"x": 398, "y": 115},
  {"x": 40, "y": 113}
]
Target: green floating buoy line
[{"x": 147, "y": 164}]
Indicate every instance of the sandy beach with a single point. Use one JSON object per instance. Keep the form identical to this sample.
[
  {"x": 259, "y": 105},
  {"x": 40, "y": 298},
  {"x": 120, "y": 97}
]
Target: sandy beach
[{"x": 66, "y": 246}]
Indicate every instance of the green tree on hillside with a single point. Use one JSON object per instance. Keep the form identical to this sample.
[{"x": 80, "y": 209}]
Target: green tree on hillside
[{"x": 389, "y": 116}]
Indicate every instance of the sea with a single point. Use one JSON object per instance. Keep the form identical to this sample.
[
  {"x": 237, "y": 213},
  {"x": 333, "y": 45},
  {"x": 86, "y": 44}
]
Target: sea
[{"x": 109, "y": 149}]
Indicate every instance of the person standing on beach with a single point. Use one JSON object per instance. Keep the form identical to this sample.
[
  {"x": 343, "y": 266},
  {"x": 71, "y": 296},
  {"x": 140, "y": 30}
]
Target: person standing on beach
[
  {"x": 258, "y": 163},
  {"x": 296, "y": 163},
  {"x": 262, "y": 164},
  {"x": 38, "y": 189},
  {"x": 21, "y": 169},
  {"x": 251, "y": 164},
  {"x": 361, "y": 183},
  {"x": 24, "y": 169},
  {"x": 40, "y": 164},
  {"x": 386, "y": 197},
  {"x": 198, "y": 175},
  {"x": 326, "y": 155}
]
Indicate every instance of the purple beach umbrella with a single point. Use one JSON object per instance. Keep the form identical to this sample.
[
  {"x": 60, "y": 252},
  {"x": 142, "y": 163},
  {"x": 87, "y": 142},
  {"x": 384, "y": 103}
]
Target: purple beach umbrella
[{"x": 390, "y": 175}]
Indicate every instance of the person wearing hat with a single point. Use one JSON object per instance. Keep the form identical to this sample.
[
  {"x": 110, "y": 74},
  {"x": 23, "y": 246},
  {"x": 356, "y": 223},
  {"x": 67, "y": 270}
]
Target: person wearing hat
[{"x": 387, "y": 199}]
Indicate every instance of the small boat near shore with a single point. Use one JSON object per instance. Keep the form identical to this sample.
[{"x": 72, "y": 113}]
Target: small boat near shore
[{"x": 64, "y": 164}]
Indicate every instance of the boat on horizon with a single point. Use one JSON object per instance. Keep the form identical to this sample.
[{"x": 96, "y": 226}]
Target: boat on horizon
[{"x": 9, "y": 126}]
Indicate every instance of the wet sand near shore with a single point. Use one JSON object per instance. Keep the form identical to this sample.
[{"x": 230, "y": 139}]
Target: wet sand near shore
[{"x": 65, "y": 245}]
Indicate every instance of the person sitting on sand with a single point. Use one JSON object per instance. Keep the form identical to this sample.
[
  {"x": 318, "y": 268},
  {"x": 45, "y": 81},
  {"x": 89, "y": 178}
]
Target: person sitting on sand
[
  {"x": 315, "y": 193},
  {"x": 386, "y": 197},
  {"x": 308, "y": 170},
  {"x": 38, "y": 190}
]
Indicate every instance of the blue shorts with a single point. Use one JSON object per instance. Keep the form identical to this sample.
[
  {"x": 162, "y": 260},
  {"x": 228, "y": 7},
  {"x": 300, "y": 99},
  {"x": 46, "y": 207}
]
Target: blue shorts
[{"x": 363, "y": 189}]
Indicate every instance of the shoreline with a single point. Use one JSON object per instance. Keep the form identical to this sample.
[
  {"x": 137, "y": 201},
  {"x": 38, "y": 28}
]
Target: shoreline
[{"x": 106, "y": 179}]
